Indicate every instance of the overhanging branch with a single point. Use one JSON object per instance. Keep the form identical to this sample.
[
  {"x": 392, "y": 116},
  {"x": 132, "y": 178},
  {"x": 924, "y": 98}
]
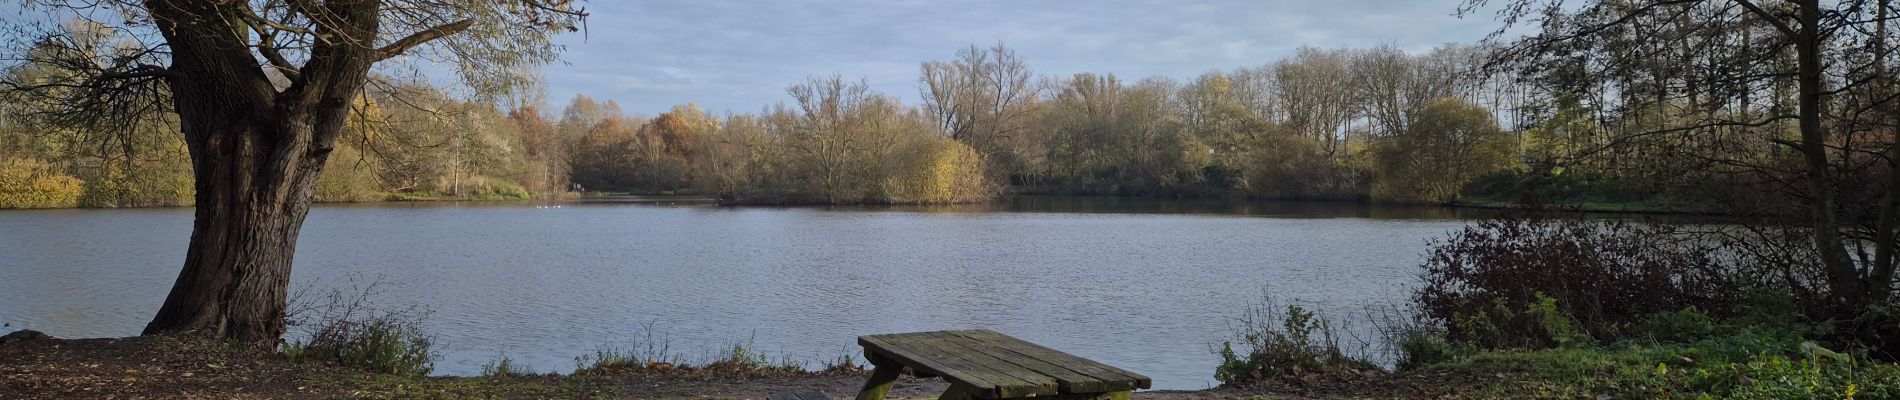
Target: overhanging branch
[{"x": 418, "y": 38}]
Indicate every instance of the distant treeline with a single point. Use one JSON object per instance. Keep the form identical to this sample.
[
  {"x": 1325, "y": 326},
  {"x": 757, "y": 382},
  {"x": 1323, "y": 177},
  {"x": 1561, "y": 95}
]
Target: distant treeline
[
  {"x": 1345, "y": 124},
  {"x": 1325, "y": 124}
]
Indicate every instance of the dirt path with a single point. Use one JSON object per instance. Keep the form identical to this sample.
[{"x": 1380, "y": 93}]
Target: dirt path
[{"x": 166, "y": 368}]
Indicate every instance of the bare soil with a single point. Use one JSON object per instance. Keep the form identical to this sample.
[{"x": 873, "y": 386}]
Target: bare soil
[{"x": 172, "y": 368}]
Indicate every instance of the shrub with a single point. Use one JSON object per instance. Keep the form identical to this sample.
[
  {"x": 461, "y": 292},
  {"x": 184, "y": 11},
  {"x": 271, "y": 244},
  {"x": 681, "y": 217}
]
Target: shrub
[
  {"x": 1288, "y": 166},
  {"x": 153, "y": 183},
  {"x": 938, "y": 171},
  {"x": 345, "y": 328},
  {"x": 498, "y": 189},
  {"x": 1539, "y": 282},
  {"x": 1424, "y": 348},
  {"x": 35, "y": 184},
  {"x": 1276, "y": 344}
]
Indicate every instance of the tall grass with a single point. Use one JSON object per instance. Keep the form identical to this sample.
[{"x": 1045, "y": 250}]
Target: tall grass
[
  {"x": 346, "y": 327},
  {"x": 505, "y": 367},
  {"x": 653, "y": 353}
]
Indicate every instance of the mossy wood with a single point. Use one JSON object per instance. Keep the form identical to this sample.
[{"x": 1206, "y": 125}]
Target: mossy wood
[{"x": 989, "y": 365}]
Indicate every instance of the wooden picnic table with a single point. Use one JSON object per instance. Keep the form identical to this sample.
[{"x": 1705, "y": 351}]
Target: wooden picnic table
[{"x": 988, "y": 365}]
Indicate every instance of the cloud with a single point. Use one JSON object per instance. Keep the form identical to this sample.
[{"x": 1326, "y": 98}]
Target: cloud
[{"x": 729, "y": 56}]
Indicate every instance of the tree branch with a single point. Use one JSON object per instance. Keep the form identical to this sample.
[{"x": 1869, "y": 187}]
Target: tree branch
[
  {"x": 1765, "y": 16},
  {"x": 418, "y": 38},
  {"x": 267, "y": 46}
]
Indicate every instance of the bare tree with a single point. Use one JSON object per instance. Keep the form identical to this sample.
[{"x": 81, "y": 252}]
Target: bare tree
[
  {"x": 983, "y": 98},
  {"x": 1689, "y": 74}
]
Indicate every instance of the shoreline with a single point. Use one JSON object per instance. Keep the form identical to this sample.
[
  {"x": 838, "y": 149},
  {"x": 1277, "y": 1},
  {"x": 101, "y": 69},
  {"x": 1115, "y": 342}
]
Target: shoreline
[
  {"x": 1633, "y": 209},
  {"x": 169, "y": 367}
]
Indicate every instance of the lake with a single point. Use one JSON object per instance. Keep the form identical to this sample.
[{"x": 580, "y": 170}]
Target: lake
[{"x": 1147, "y": 285}]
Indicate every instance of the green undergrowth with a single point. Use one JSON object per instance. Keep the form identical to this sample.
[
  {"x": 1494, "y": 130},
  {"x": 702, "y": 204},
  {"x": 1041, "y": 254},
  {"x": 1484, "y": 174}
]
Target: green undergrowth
[
  {"x": 1685, "y": 354},
  {"x": 1674, "y": 355},
  {"x": 1748, "y": 365}
]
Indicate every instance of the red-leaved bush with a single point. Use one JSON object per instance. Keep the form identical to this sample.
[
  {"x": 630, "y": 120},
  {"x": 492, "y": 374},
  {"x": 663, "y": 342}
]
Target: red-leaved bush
[{"x": 1540, "y": 281}]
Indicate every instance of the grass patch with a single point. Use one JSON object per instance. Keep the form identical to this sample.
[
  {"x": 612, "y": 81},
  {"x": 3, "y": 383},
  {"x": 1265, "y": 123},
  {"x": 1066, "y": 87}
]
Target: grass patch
[{"x": 1752, "y": 363}]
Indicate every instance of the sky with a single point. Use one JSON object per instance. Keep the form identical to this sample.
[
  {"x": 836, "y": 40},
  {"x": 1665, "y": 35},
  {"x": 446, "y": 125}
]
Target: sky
[{"x": 738, "y": 56}]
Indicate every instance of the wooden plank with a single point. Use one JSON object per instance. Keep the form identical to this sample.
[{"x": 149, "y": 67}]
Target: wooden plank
[
  {"x": 1052, "y": 356},
  {"x": 1004, "y": 383},
  {"x": 947, "y": 342},
  {"x": 1076, "y": 363},
  {"x": 1069, "y": 380},
  {"x": 893, "y": 347},
  {"x": 1111, "y": 379}
]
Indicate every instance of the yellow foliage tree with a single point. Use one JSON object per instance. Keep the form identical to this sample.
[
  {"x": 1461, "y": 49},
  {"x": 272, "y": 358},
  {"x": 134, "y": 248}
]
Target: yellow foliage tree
[
  {"x": 944, "y": 171},
  {"x": 1449, "y": 144}
]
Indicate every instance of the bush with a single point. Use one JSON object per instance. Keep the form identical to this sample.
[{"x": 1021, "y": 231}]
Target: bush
[
  {"x": 498, "y": 189},
  {"x": 1287, "y": 166},
  {"x": 938, "y": 171},
  {"x": 1277, "y": 344},
  {"x": 1423, "y": 348},
  {"x": 1541, "y": 282},
  {"x": 155, "y": 183},
  {"x": 35, "y": 184},
  {"x": 345, "y": 328}
]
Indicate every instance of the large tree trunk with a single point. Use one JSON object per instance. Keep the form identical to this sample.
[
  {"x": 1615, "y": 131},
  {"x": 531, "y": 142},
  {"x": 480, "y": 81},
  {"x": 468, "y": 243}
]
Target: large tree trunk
[
  {"x": 256, "y": 152},
  {"x": 252, "y": 196}
]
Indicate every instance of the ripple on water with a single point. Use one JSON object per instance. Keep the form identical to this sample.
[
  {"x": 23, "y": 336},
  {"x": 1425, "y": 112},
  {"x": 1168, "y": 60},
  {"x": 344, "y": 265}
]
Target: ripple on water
[{"x": 1126, "y": 284}]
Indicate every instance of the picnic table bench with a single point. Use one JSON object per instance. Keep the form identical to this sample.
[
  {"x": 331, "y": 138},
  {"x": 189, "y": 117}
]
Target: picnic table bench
[{"x": 983, "y": 364}]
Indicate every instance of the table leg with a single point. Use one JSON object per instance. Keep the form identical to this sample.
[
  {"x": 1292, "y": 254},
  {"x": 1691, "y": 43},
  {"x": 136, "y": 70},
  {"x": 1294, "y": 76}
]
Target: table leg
[
  {"x": 884, "y": 374},
  {"x": 957, "y": 392}
]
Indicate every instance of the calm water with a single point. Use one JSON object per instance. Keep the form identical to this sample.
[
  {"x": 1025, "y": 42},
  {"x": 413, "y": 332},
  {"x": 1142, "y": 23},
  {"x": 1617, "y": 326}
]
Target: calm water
[{"x": 1142, "y": 284}]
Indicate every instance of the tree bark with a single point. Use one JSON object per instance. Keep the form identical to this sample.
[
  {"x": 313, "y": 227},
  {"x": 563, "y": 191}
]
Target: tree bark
[
  {"x": 1881, "y": 277},
  {"x": 252, "y": 197},
  {"x": 256, "y": 152},
  {"x": 1844, "y": 278}
]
